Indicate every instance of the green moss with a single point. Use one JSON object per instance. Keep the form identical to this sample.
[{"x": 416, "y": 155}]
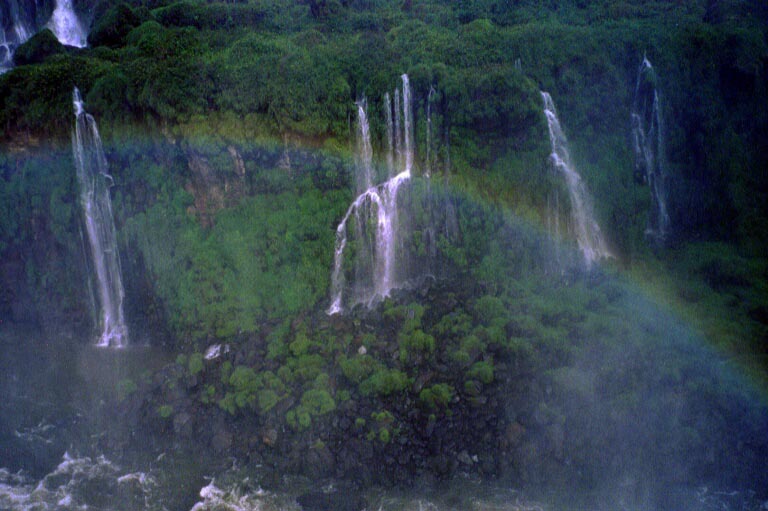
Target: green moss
[
  {"x": 125, "y": 388},
  {"x": 267, "y": 400},
  {"x": 437, "y": 396},
  {"x": 415, "y": 346},
  {"x": 383, "y": 417},
  {"x": 318, "y": 401},
  {"x": 300, "y": 345},
  {"x": 385, "y": 382},
  {"x": 357, "y": 368},
  {"x": 245, "y": 383},
  {"x": 195, "y": 364},
  {"x": 482, "y": 371},
  {"x": 208, "y": 394},
  {"x": 165, "y": 411},
  {"x": 226, "y": 371},
  {"x": 39, "y": 47}
]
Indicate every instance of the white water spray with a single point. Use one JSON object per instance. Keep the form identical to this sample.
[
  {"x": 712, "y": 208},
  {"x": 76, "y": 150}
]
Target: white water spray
[
  {"x": 94, "y": 182},
  {"x": 586, "y": 229},
  {"x": 66, "y": 26},
  {"x": 648, "y": 146}
]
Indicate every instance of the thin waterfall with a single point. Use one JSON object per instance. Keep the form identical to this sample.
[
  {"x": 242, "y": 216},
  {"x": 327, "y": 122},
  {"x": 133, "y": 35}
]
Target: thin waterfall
[
  {"x": 586, "y": 230},
  {"x": 14, "y": 31},
  {"x": 364, "y": 151},
  {"x": 390, "y": 135},
  {"x": 21, "y": 29},
  {"x": 94, "y": 183},
  {"x": 648, "y": 146},
  {"x": 407, "y": 124},
  {"x": 66, "y": 26},
  {"x": 6, "y": 53},
  {"x": 398, "y": 133},
  {"x": 377, "y": 230}
]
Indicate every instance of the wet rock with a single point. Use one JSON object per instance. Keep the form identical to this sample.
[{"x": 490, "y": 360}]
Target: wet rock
[
  {"x": 465, "y": 458},
  {"x": 269, "y": 436},
  {"x": 513, "y": 434},
  {"x": 338, "y": 500},
  {"x": 182, "y": 424},
  {"x": 441, "y": 465},
  {"x": 222, "y": 439},
  {"x": 318, "y": 463}
]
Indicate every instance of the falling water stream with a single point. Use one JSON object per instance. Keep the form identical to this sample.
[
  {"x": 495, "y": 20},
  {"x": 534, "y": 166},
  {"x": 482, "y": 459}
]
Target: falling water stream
[
  {"x": 66, "y": 26},
  {"x": 585, "y": 227},
  {"x": 377, "y": 263},
  {"x": 94, "y": 182},
  {"x": 648, "y": 146}
]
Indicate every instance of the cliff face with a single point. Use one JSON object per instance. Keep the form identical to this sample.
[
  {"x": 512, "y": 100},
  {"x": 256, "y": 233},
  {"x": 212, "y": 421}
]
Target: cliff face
[{"x": 214, "y": 189}]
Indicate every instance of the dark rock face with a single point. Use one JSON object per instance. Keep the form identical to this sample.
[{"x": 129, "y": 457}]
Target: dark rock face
[{"x": 343, "y": 498}]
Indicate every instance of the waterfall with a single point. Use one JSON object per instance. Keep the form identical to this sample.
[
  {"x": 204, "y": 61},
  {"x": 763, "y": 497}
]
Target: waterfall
[
  {"x": 6, "y": 53},
  {"x": 94, "y": 183},
  {"x": 648, "y": 146},
  {"x": 377, "y": 232},
  {"x": 398, "y": 132},
  {"x": 407, "y": 124},
  {"x": 364, "y": 152},
  {"x": 65, "y": 25},
  {"x": 587, "y": 231},
  {"x": 390, "y": 136},
  {"x": 14, "y": 31}
]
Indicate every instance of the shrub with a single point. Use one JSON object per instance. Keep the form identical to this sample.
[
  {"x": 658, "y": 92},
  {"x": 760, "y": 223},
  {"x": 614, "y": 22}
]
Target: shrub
[
  {"x": 482, "y": 371},
  {"x": 437, "y": 396},
  {"x": 385, "y": 382}
]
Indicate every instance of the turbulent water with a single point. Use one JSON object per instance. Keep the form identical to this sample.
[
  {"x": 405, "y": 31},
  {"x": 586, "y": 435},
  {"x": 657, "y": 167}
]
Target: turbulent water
[
  {"x": 65, "y": 24},
  {"x": 94, "y": 182},
  {"x": 83, "y": 483},
  {"x": 584, "y": 225}
]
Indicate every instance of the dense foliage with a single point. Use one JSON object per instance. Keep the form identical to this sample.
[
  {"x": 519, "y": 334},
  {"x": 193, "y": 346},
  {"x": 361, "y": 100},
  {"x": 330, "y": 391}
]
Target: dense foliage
[{"x": 228, "y": 128}]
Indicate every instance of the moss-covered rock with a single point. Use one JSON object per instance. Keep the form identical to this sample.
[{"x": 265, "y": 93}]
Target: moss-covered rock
[
  {"x": 38, "y": 48},
  {"x": 113, "y": 26}
]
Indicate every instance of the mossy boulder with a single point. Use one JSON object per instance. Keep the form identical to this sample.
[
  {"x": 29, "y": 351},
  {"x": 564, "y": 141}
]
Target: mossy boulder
[
  {"x": 38, "y": 48},
  {"x": 112, "y": 28}
]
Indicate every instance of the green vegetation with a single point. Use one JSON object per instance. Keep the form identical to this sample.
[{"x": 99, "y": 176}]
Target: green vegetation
[{"x": 228, "y": 128}]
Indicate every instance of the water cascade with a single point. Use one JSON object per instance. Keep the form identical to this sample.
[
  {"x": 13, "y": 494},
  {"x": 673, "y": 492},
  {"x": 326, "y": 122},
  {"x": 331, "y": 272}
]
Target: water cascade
[
  {"x": 390, "y": 135},
  {"x": 377, "y": 231},
  {"x": 14, "y": 30},
  {"x": 65, "y": 25},
  {"x": 398, "y": 145},
  {"x": 648, "y": 146},
  {"x": 586, "y": 229},
  {"x": 6, "y": 53},
  {"x": 364, "y": 150},
  {"x": 94, "y": 185}
]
